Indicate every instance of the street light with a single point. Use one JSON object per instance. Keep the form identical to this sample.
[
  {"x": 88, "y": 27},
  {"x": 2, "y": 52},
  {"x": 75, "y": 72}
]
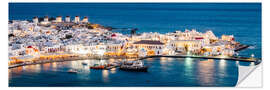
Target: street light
[{"x": 252, "y": 55}]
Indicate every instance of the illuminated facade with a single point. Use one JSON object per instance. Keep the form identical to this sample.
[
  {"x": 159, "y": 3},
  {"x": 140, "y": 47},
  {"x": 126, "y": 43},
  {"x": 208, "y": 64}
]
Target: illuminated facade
[
  {"x": 35, "y": 20},
  {"x": 46, "y": 19},
  {"x": 85, "y": 20},
  {"x": 227, "y": 37},
  {"x": 67, "y": 19},
  {"x": 76, "y": 38},
  {"x": 77, "y": 19},
  {"x": 58, "y": 19},
  {"x": 152, "y": 47}
]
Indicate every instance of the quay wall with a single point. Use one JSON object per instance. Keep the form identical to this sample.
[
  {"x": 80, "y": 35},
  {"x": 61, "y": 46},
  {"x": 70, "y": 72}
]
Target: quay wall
[
  {"x": 240, "y": 47},
  {"x": 244, "y": 59}
]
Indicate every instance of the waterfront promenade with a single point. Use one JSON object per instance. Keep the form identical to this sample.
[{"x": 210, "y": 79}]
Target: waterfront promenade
[
  {"x": 245, "y": 59},
  {"x": 49, "y": 58}
]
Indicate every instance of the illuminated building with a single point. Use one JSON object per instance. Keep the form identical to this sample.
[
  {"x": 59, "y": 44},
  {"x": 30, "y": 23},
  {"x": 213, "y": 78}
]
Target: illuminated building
[
  {"x": 151, "y": 46},
  {"x": 67, "y": 19},
  {"x": 77, "y": 19},
  {"x": 35, "y": 20},
  {"x": 46, "y": 19},
  {"x": 58, "y": 19},
  {"x": 30, "y": 50},
  {"x": 85, "y": 20},
  {"x": 227, "y": 37},
  {"x": 186, "y": 45},
  {"x": 114, "y": 49}
]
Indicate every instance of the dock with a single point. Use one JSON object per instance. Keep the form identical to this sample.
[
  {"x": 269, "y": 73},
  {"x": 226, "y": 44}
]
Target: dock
[{"x": 241, "y": 47}]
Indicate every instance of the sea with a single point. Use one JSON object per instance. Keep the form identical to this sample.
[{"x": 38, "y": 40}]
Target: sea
[{"x": 243, "y": 20}]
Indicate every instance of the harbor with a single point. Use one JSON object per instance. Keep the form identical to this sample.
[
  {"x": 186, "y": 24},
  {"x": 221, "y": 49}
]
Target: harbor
[
  {"x": 158, "y": 69},
  {"x": 79, "y": 39},
  {"x": 245, "y": 59},
  {"x": 137, "y": 45}
]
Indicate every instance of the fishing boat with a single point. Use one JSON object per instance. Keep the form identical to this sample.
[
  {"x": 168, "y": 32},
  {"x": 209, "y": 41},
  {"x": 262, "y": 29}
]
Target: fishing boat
[
  {"x": 97, "y": 66},
  {"x": 136, "y": 66}
]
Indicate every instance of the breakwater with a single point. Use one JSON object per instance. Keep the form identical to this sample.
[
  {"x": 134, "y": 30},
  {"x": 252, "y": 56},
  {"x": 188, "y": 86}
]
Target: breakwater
[{"x": 244, "y": 59}]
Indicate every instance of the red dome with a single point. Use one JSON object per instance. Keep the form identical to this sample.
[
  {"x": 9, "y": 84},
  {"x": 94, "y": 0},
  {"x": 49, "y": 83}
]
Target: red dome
[
  {"x": 29, "y": 47},
  {"x": 113, "y": 35},
  {"x": 198, "y": 38}
]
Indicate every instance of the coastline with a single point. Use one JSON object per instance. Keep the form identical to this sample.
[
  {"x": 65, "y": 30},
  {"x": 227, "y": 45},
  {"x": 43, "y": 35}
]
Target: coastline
[{"x": 244, "y": 59}]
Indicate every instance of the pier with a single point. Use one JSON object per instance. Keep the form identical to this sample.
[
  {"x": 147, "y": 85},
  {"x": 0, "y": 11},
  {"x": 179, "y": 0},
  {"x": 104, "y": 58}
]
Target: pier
[
  {"x": 244, "y": 59},
  {"x": 241, "y": 47}
]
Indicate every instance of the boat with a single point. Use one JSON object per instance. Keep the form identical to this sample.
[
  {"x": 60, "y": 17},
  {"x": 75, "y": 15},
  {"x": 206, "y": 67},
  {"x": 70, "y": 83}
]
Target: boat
[
  {"x": 116, "y": 64},
  {"x": 127, "y": 62},
  {"x": 136, "y": 66},
  {"x": 84, "y": 63},
  {"x": 72, "y": 71},
  {"x": 96, "y": 66},
  {"x": 109, "y": 67}
]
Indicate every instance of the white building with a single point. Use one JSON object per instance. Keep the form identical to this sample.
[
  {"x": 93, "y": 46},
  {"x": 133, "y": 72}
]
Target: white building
[
  {"x": 67, "y": 19},
  {"x": 77, "y": 19}
]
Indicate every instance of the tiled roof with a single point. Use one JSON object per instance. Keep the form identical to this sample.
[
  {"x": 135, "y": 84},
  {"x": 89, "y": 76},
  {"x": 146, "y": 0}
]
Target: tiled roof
[{"x": 149, "y": 42}]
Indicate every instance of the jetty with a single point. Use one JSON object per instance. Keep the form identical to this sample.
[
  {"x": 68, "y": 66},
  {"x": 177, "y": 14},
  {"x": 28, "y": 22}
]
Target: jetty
[{"x": 241, "y": 47}]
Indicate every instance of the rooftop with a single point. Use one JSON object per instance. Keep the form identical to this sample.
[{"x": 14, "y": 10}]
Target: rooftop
[{"x": 149, "y": 42}]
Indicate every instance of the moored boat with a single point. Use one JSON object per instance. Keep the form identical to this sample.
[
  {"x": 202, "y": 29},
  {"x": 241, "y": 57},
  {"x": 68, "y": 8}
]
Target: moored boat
[
  {"x": 84, "y": 63},
  {"x": 136, "y": 66},
  {"x": 116, "y": 64},
  {"x": 96, "y": 66}
]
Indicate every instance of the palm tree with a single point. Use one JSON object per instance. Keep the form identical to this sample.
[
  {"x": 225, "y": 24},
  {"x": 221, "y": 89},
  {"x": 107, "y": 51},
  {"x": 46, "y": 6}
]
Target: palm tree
[{"x": 186, "y": 47}]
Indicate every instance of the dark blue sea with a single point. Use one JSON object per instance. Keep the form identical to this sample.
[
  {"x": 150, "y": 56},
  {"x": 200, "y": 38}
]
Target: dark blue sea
[{"x": 243, "y": 20}]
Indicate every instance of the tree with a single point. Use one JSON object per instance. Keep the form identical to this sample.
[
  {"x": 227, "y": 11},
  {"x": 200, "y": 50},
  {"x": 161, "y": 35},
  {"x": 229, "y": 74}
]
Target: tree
[
  {"x": 11, "y": 35},
  {"x": 186, "y": 47},
  {"x": 68, "y": 36}
]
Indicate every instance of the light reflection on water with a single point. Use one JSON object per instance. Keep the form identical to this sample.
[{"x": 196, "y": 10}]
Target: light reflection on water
[
  {"x": 105, "y": 74},
  {"x": 252, "y": 64},
  {"x": 206, "y": 72},
  {"x": 222, "y": 64},
  {"x": 162, "y": 71},
  {"x": 188, "y": 62}
]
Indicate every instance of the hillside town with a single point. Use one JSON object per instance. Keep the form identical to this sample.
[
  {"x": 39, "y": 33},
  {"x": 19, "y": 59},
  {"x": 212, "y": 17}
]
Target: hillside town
[{"x": 48, "y": 38}]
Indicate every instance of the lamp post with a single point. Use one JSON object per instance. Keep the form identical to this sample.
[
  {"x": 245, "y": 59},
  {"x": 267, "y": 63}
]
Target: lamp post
[{"x": 252, "y": 55}]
